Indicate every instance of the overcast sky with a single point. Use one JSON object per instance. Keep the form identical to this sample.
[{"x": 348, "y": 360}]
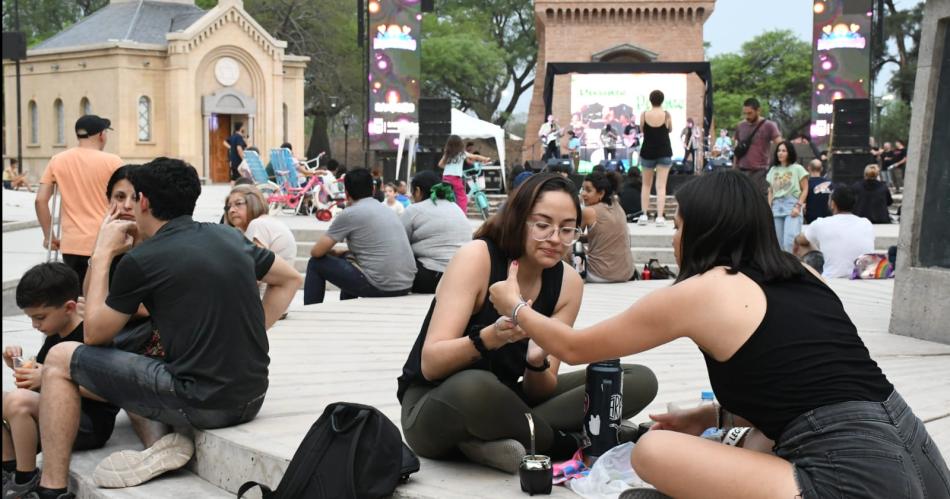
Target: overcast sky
[{"x": 735, "y": 22}]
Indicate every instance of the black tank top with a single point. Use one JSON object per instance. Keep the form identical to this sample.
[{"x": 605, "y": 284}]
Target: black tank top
[
  {"x": 507, "y": 362},
  {"x": 656, "y": 142},
  {"x": 805, "y": 354}
]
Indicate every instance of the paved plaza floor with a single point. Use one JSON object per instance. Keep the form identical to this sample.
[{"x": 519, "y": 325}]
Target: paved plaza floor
[{"x": 353, "y": 351}]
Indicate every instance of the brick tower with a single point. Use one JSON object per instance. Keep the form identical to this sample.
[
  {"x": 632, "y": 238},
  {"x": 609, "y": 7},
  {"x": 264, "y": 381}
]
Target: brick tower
[{"x": 617, "y": 31}]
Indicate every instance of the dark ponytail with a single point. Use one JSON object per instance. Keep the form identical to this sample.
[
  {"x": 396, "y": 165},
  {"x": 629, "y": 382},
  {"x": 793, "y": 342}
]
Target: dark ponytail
[{"x": 607, "y": 182}]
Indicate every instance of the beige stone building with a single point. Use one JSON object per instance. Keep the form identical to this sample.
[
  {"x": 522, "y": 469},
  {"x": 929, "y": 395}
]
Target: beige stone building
[
  {"x": 173, "y": 78},
  {"x": 613, "y": 31}
]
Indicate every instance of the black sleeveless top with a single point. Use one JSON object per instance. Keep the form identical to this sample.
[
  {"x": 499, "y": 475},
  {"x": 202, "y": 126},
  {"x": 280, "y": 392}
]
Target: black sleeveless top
[
  {"x": 507, "y": 362},
  {"x": 805, "y": 354},
  {"x": 656, "y": 142}
]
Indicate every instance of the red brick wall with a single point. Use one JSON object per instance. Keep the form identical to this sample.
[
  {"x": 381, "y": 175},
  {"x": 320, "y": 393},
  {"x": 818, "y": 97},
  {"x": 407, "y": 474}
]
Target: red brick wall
[{"x": 573, "y": 31}]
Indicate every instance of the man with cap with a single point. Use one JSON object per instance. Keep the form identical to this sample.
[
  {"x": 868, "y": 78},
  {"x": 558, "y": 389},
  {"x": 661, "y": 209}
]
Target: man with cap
[{"x": 81, "y": 173}]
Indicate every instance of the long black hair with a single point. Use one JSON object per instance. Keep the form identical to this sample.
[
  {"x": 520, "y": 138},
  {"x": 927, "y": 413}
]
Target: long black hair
[
  {"x": 606, "y": 182},
  {"x": 727, "y": 221}
]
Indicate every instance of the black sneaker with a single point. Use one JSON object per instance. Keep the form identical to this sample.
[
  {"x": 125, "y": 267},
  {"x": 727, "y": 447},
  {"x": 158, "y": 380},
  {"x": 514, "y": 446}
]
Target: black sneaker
[
  {"x": 13, "y": 490},
  {"x": 36, "y": 495},
  {"x": 643, "y": 493}
]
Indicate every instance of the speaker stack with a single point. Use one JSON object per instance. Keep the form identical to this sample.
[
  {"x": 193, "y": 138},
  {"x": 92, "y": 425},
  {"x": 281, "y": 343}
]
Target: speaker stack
[
  {"x": 435, "y": 122},
  {"x": 850, "y": 140}
]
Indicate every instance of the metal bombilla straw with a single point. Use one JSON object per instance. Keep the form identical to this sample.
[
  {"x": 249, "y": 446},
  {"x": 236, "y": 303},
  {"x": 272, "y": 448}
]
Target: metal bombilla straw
[{"x": 531, "y": 431}]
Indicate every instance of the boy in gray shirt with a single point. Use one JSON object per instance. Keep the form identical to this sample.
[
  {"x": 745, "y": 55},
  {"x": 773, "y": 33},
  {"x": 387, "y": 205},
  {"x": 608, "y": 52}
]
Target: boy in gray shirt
[{"x": 379, "y": 260}]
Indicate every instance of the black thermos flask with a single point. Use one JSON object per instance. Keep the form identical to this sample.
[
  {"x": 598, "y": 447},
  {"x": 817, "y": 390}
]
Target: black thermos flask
[{"x": 603, "y": 406}]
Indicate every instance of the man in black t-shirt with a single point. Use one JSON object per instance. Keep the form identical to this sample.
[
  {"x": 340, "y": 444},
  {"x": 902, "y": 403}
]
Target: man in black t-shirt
[
  {"x": 199, "y": 282},
  {"x": 236, "y": 146}
]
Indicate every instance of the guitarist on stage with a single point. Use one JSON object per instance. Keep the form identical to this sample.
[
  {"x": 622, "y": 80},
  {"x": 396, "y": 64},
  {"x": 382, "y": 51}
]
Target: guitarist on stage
[{"x": 550, "y": 135}]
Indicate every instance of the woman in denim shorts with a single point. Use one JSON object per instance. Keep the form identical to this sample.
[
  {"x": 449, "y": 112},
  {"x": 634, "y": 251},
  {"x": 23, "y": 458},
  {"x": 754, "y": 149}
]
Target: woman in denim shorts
[
  {"x": 656, "y": 155},
  {"x": 807, "y": 412}
]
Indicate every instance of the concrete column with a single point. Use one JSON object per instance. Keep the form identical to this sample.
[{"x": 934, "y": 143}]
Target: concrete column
[{"x": 922, "y": 287}]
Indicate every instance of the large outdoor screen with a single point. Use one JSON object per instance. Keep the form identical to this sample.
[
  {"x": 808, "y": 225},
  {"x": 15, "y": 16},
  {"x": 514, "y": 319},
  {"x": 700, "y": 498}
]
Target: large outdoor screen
[
  {"x": 598, "y": 100},
  {"x": 841, "y": 64},
  {"x": 394, "y": 68}
]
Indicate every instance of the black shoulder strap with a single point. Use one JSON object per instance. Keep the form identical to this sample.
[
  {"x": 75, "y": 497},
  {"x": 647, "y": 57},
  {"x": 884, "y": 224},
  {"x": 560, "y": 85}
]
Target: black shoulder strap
[
  {"x": 359, "y": 422},
  {"x": 499, "y": 264},
  {"x": 266, "y": 493},
  {"x": 756, "y": 129}
]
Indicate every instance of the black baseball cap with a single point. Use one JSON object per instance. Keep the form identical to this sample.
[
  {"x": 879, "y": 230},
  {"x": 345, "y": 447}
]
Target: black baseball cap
[{"x": 90, "y": 124}]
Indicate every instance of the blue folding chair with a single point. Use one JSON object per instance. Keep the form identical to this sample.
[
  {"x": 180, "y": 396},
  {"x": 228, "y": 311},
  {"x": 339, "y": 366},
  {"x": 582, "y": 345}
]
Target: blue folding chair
[{"x": 259, "y": 173}]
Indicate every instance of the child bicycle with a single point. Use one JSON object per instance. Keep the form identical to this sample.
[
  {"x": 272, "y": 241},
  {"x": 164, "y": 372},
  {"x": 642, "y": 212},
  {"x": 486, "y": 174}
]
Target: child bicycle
[{"x": 481, "y": 199}]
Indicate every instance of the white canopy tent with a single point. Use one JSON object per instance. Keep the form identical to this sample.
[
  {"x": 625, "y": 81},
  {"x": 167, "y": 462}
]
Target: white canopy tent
[{"x": 463, "y": 125}]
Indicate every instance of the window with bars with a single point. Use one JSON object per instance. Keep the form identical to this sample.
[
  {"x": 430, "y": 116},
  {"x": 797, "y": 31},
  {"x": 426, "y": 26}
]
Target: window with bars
[
  {"x": 145, "y": 119},
  {"x": 60, "y": 121}
]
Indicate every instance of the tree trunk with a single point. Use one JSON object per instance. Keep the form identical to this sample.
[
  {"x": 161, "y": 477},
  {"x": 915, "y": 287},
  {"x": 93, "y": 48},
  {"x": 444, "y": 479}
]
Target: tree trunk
[{"x": 319, "y": 138}]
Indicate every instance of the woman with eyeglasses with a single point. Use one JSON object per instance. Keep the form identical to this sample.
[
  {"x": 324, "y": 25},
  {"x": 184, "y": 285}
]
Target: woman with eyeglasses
[
  {"x": 246, "y": 210},
  {"x": 472, "y": 374},
  {"x": 807, "y": 411}
]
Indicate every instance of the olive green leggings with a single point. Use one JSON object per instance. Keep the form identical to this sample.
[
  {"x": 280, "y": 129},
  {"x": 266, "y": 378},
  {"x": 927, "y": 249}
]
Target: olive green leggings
[{"x": 474, "y": 404}]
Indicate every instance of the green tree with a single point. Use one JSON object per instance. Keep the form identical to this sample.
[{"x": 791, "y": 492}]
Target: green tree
[
  {"x": 473, "y": 51},
  {"x": 900, "y": 47},
  {"x": 41, "y": 19},
  {"x": 775, "y": 68},
  {"x": 324, "y": 30},
  {"x": 893, "y": 122}
]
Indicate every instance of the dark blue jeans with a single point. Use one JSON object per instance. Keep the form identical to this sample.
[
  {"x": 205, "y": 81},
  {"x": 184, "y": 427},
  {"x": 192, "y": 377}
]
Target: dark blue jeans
[
  {"x": 864, "y": 449},
  {"x": 350, "y": 280}
]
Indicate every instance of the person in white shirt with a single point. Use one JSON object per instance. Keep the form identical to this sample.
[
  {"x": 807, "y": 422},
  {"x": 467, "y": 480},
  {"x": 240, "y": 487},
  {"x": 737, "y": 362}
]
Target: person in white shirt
[
  {"x": 842, "y": 238},
  {"x": 246, "y": 210}
]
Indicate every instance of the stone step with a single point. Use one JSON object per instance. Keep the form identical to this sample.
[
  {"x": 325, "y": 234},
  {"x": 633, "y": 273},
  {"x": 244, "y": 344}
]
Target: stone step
[{"x": 180, "y": 484}]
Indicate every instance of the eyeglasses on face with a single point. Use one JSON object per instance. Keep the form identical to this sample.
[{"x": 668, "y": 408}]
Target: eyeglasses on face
[
  {"x": 542, "y": 231},
  {"x": 236, "y": 204}
]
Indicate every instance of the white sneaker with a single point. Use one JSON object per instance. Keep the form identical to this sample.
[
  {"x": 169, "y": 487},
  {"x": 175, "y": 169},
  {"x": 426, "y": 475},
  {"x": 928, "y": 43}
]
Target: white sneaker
[
  {"x": 504, "y": 455},
  {"x": 660, "y": 222},
  {"x": 643, "y": 220},
  {"x": 128, "y": 468}
]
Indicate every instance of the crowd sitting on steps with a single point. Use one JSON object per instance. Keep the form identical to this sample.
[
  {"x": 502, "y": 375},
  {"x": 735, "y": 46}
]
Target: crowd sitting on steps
[{"x": 169, "y": 367}]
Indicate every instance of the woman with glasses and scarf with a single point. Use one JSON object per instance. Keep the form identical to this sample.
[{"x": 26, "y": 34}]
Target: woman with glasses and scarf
[{"x": 473, "y": 374}]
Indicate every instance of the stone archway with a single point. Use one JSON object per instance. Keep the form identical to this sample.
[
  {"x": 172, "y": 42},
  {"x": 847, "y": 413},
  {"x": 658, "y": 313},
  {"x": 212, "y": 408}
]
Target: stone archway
[
  {"x": 625, "y": 53},
  {"x": 224, "y": 102}
]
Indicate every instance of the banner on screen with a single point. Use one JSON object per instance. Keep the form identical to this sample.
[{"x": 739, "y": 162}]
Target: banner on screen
[
  {"x": 841, "y": 65},
  {"x": 599, "y": 100},
  {"x": 394, "y": 69}
]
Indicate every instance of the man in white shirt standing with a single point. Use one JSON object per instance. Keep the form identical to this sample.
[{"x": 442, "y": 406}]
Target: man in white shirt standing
[{"x": 842, "y": 238}]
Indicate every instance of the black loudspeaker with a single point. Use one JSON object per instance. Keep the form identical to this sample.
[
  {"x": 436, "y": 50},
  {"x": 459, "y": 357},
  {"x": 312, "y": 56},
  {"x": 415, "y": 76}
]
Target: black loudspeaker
[
  {"x": 612, "y": 165},
  {"x": 493, "y": 183},
  {"x": 427, "y": 160},
  {"x": 535, "y": 165},
  {"x": 428, "y": 5},
  {"x": 851, "y": 124},
  {"x": 848, "y": 168},
  {"x": 14, "y": 46},
  {"x": 435, "y": 110},
  {"x": 681, "y": 168},
  {"x": 435, "y": 121},
  {"x": 560, "y": 165}
]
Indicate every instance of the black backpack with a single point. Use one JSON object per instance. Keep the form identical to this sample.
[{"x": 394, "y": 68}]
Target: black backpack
[{"x": 352, "y": 452}]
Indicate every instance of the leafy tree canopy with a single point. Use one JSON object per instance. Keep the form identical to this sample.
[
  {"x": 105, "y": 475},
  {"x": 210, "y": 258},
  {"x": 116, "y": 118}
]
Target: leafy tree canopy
[
  {"x": 475, "y": 51},
  {"x": 775, "y": 68}
]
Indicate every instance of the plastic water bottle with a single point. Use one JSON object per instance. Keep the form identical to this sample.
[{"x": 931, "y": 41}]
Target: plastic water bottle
[{"x": 707, "y": 397}]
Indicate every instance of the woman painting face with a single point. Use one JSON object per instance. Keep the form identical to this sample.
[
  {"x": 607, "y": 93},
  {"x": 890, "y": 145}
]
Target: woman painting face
[
  {"x": 552, "y": 228},
  {"x": 237, "y": 211},
  {"x": 589, "y": 194},
  {"x": 122, "y": 193}
]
